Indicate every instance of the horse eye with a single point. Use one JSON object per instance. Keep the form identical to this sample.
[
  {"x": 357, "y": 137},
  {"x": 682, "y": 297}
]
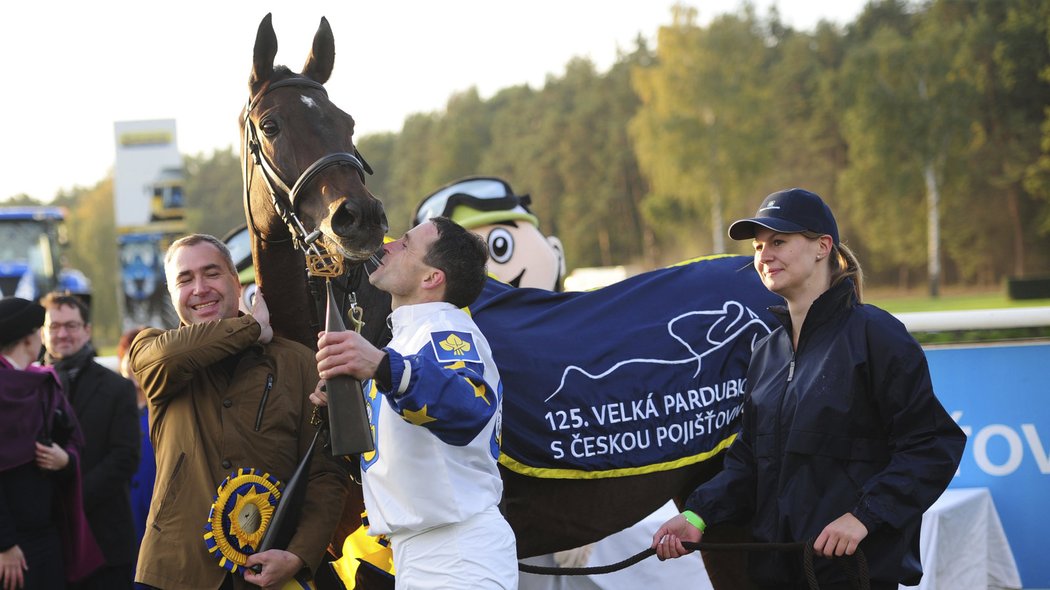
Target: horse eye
[
  {"x": 501, "y": 245},
  {"x": 269, "y": 127}
]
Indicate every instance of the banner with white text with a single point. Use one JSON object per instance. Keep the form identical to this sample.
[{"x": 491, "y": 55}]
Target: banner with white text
[{"x": 644, "y": 375}]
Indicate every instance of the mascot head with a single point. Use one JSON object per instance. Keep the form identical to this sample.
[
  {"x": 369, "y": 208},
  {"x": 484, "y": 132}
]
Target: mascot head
[{"x": 519, "y": 254}]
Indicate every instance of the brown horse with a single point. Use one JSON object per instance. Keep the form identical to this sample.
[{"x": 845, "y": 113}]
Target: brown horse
[{"x": 304, "y": 184}]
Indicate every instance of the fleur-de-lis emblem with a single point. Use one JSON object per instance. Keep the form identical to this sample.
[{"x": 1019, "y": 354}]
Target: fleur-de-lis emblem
[{"x": 455, "y": 345}]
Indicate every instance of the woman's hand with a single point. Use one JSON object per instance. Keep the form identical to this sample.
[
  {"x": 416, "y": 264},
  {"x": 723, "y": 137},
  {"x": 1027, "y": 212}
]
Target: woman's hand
[
  {"x": 52, "y": 458},
  {"x": 841, "y": 537},
  {"x": 668, "y": 538},
  {"x": 12, "y": 564}
]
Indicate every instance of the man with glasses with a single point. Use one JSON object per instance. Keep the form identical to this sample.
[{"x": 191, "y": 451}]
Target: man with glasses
[{"x": 105, "y": 405}]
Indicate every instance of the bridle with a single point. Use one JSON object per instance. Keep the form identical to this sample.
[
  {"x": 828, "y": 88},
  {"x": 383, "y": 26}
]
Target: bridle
[{"x": 320, "y": 262}]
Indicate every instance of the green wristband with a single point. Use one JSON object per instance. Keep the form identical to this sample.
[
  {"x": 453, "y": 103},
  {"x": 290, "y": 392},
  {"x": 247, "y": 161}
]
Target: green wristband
[{"x": 695, "y": 520}]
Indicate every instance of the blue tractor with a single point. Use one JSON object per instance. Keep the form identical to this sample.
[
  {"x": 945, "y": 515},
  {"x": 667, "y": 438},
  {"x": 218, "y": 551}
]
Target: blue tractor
[{"x": 31, "y": 242}]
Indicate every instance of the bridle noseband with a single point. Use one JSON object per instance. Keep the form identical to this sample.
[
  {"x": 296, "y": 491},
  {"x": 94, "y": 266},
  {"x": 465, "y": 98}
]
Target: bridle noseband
[{"x": 319, "y": 261}]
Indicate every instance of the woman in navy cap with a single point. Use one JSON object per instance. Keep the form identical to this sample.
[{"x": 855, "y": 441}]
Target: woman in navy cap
[
  {"x": 843, "y": 440},
  {"x": 43, "y": 535}
]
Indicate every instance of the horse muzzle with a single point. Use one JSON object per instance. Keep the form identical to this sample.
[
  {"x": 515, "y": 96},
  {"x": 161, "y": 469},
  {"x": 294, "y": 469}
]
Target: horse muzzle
[{"x": 358, "y": 226}]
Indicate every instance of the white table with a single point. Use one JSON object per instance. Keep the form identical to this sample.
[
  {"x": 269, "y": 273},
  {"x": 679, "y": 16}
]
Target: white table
[{"x": 963, "y": 546}]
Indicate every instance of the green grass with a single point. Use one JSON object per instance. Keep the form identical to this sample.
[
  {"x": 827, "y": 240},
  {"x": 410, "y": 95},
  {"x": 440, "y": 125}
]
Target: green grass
[{"x": 953, "y": 302}]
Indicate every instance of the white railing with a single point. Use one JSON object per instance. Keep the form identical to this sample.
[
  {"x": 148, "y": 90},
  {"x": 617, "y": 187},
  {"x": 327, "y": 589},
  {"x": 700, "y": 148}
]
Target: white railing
[{"x": 977, "y": 319}]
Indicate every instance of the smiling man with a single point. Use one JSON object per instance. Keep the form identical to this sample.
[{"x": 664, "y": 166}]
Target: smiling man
[{"x": 225, "y": 397}]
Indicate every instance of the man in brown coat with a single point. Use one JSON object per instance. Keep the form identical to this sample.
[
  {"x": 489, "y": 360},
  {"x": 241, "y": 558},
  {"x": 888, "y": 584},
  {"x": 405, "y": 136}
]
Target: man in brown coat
[{"x": 224, "y": 395}]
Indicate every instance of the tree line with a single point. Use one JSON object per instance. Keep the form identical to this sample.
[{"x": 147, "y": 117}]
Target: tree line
[{"x": 926, "y": 127}]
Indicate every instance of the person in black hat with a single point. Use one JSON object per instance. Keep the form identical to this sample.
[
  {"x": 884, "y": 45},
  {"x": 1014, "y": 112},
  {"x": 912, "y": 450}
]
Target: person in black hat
[
  {"x": 843, "y": 440},
  {"x": 20, "y": 319},
  {"x": 38, "y": 460}
]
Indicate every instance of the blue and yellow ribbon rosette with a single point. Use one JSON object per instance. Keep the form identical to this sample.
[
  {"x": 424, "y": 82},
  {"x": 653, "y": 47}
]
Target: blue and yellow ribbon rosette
[{"x": 243, "y": 507}]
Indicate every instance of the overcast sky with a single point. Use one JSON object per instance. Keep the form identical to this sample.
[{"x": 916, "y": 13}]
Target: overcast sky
[{"x": 75, "y": 68}]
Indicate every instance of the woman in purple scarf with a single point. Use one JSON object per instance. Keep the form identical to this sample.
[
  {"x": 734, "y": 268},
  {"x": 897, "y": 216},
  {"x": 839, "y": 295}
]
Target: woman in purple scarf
[{"x": 43, "y": 535}]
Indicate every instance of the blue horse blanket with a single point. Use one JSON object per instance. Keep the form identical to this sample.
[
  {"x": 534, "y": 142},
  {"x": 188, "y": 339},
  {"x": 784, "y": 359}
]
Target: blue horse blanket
[{"x": 644, "y": 375}]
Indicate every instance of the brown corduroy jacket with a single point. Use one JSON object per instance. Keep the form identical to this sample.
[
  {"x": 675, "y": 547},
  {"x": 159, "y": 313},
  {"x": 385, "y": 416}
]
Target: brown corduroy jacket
[{"x": 218, "y": 402}]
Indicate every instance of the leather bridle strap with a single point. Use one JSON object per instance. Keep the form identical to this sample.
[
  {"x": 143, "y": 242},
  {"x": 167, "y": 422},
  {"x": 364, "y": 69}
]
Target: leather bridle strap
[{"x": 319, "y": 166}]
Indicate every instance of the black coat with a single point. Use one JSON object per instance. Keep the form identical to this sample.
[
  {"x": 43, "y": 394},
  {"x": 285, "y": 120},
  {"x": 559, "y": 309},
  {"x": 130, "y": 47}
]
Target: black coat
[
  {"x": 847, "y": 423},
  {"x": 107, "y": 409}
]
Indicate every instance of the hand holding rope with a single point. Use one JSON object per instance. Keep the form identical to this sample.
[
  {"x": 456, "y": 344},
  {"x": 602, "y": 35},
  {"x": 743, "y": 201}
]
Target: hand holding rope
[{"x": 856, "y": 566}]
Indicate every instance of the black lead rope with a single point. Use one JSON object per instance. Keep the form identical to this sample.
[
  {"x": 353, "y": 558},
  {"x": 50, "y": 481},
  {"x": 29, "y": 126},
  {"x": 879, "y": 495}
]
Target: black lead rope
[{"x": 856, "y": 566}]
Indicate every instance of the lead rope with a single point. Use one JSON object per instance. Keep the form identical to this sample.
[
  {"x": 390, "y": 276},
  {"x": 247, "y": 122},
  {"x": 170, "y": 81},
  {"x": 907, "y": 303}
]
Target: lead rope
[{"x": 856, "y": 566}]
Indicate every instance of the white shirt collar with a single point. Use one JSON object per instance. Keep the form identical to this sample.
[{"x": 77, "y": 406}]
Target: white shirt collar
[{"x": 409, "y": 314}]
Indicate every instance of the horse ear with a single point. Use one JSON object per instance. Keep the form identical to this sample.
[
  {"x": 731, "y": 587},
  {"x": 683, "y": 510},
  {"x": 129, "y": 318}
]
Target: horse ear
[
  {"x": 322, "y": 56},
  {"x": 265, "y": 52}
]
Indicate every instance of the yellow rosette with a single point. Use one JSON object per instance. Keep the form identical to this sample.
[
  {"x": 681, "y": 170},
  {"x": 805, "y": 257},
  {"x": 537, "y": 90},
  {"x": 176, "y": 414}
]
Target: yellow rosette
[{"x": 243, "y": 507}]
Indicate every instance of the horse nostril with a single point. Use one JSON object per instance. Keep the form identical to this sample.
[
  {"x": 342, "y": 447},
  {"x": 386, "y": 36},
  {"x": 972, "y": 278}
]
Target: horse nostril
[
  {"x": 344, "y": 219},
  {"x": 354, "y": 215}
]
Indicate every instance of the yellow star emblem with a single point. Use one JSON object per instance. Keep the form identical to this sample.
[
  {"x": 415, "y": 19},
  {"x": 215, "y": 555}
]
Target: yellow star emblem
[
  {"x": 479, "y": 390},
  {"x": 418, "y": 418},
  {"x": 455, "y": 345},
  {"x": 251, "y": 514}
]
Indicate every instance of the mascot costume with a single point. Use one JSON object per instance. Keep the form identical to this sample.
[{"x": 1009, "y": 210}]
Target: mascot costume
[{"x": 519, "y": 254}]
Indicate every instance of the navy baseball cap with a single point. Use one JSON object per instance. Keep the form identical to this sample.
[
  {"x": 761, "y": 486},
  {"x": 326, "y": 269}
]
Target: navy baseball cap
[{"x": 789, "y": 211}]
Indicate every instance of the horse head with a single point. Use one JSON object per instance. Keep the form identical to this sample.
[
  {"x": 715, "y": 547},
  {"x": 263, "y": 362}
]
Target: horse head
[
  {"x": 304, "y": 184},
  {"x": 304, "y": 179}
]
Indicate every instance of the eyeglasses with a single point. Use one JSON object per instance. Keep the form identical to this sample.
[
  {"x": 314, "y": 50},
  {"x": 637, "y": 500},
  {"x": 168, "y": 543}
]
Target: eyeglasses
[
  {"x": 69, "y": 326},
  {"x": 482, "y": 193}
]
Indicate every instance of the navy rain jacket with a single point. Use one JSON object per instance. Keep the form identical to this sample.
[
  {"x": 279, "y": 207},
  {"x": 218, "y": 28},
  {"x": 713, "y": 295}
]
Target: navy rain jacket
[{"x": 847, "y": 423}]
